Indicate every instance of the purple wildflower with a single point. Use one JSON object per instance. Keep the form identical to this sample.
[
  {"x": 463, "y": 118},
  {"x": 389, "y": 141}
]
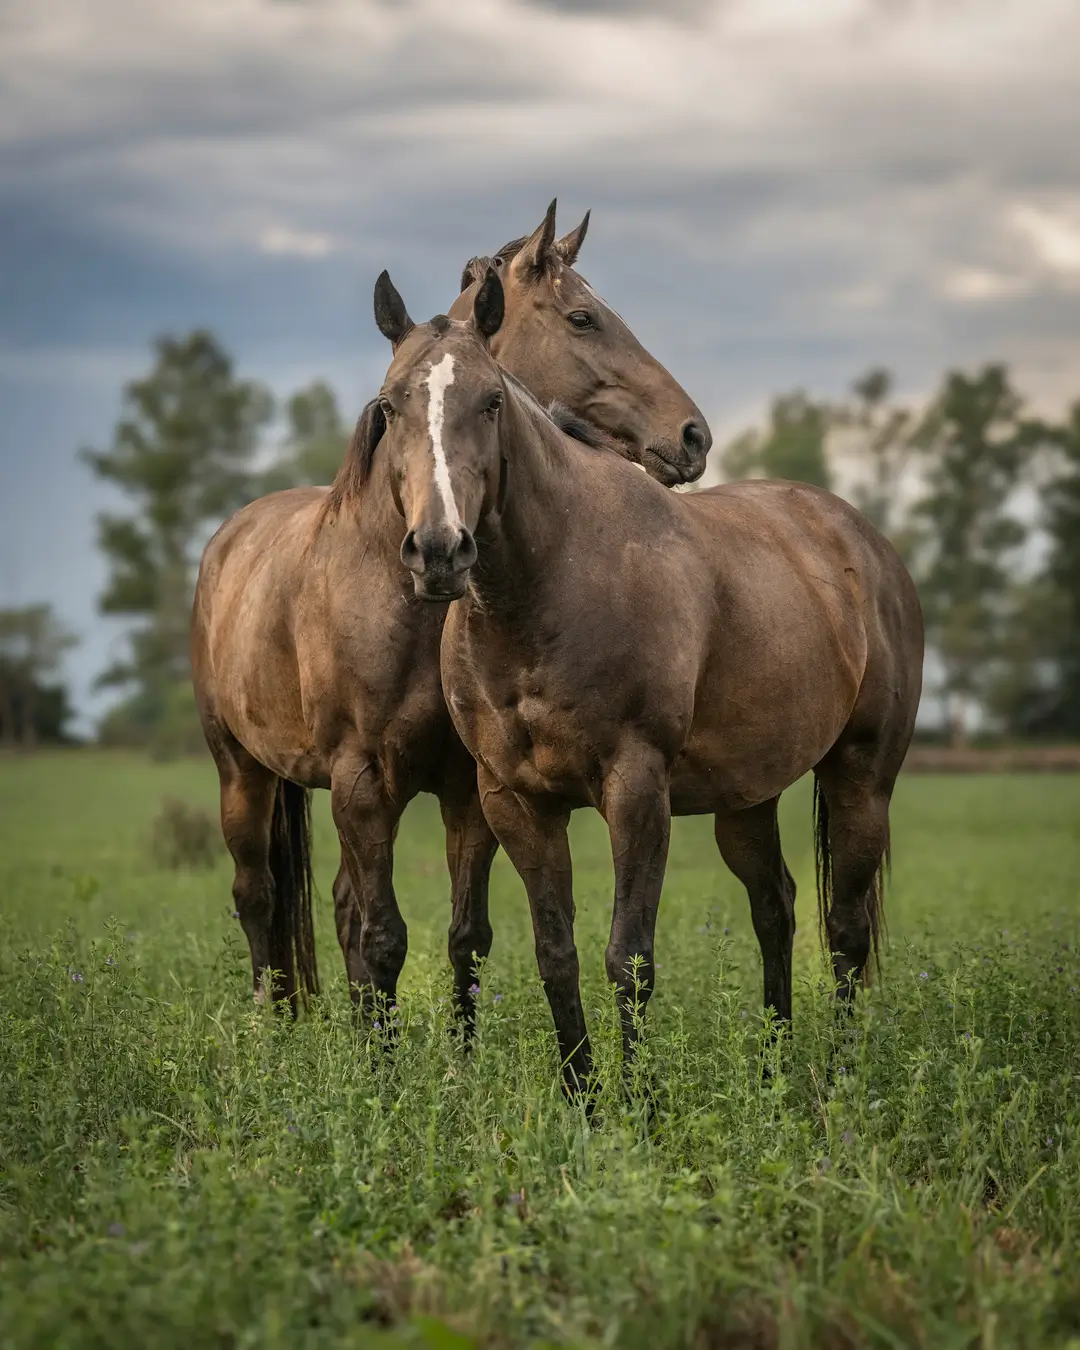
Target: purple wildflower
[
  {"x": 378, "y": 1025},
  {"x": 111, "y": 961},
  {"x": 76, "y": 977},
  {"x": 923, "y": 975},
  {"x": 497, "y": 998},
  {"x": 474, "y": 989}
]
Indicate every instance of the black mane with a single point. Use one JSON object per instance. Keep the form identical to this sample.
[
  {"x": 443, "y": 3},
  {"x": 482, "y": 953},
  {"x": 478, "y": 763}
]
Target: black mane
[
  {"x": 476, "y": 267},
  {"x": 578, "y": 429}
]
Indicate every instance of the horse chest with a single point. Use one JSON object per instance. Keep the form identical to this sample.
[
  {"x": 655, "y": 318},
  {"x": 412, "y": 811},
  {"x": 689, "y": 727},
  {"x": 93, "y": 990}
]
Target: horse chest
[{"x": 534, "y": 745}]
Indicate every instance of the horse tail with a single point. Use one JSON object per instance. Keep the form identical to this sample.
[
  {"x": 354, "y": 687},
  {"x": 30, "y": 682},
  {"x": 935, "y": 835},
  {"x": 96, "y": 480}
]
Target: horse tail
[
  {"x": 293, "y": 928},
  {"x": 875, "y": 898}
]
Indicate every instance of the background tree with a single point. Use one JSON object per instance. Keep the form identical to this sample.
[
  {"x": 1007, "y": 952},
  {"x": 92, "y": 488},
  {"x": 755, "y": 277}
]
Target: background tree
[
  {"x": 792, "y": 446},
  {"x": 183, "y": 454},
  {"x": 882, "y": 453},
  {"x": 975, "y": 445},
  {"x": 1061, "y": 499},
  {"x": 315, "y": 440},
  {"x": 32, "y": 647}
]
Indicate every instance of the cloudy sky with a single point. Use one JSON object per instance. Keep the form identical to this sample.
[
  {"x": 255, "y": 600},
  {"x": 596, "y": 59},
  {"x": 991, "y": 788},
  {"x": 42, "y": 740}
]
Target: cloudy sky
[{"x": 784, "y": 192}]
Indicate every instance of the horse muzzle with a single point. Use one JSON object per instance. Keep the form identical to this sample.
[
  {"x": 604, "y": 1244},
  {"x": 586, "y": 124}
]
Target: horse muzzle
[
  {"x": 684, "y": 462},
  {"x": 439, "y": 558}
]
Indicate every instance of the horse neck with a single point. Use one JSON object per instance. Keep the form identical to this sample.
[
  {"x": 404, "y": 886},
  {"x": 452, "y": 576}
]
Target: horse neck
[{"x": 518, "y": 543}]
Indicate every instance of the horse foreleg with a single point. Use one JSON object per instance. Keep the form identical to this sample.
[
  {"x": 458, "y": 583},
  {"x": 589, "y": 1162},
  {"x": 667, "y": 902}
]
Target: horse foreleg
[
  {"x": 534, "y": 837},
  {"x": 470, "y": 849},
  {"x": 347, "y": 921},
  {"x": 371, "y": 930},
  {"x": 637, "y": 808},
  {"x": 749, "y": 842}
]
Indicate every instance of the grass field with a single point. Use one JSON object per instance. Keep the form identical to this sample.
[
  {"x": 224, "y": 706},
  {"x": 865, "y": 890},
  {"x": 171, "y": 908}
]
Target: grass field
[{"x": 180, "y": 1169}]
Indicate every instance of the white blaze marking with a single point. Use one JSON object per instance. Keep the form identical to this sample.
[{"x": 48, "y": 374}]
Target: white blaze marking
[{"x": 439, "y": 380}]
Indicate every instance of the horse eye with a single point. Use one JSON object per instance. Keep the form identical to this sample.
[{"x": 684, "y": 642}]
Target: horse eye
[
  {"x": 580, "y": 319},
  {"x": 386, "y": 407},
  {"x": 494, "y": 403}
]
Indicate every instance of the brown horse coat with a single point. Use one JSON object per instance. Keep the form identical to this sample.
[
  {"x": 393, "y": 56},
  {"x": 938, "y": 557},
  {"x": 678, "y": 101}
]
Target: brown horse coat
[
  {"x": 621, "y": 647},
  {"x": 315, "y": 658}
]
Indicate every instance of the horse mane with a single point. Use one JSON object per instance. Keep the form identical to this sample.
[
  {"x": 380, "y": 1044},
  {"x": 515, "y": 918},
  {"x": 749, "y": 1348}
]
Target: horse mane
[
  {"x": 348, "y": 484},
  {"x": 564, "y": 419},
  {"x": 578, "y": 429},
  {"x": 475, "y": 268}
]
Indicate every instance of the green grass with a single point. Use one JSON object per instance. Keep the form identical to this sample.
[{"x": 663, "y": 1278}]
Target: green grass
[{"x": 180, "y": 1169}]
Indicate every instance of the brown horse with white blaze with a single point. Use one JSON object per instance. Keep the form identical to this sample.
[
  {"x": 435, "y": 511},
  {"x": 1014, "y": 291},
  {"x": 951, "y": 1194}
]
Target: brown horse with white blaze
[
  {"x": 315, "y": 639},
  {"x": 646, "y": 653}
]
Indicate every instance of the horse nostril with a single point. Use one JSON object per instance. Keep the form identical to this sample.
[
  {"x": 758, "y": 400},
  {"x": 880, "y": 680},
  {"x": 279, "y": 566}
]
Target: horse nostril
[
  {"x": 464, "y": 551},
  {"x": 696, "y": 437},
  {"x": 411, "y": 554}
]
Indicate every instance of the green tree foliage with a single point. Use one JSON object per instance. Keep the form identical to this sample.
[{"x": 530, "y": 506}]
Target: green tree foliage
[
  {"x": 792, "y": 446},
  {"x": 1024, "y": 678},
  {"x": 34, "y": 706},
  {"x": 182, "y": 453},
  {"x": 975, "y": 444},
  {"x": 1062, "y": 503},
  {"x": 315, "y": 440},
  {"x": 884, "y": 450}
]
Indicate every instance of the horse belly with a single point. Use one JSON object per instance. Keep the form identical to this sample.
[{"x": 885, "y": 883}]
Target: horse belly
[{"x": 746, "y": 751}]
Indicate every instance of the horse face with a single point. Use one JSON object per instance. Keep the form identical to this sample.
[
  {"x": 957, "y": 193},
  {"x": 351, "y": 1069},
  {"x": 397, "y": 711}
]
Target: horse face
[
  {"x": 442, "y": 401},
  {"x": 566, "y": 344}
]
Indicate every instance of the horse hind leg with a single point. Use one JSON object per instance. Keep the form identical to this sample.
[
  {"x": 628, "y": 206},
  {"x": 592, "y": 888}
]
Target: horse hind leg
[
  {"x": 749, "y": 842},
  {"x": 851, "y": 798}
]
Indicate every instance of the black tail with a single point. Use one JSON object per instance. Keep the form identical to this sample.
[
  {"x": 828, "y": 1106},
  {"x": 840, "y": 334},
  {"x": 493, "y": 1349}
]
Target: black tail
[
  {"x": 293, "y": 930},
  {"x": 875, "y": 899}
]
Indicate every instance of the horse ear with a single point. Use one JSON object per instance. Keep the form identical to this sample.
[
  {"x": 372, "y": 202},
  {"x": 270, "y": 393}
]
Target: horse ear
[
  {"x": 539, "y": 249},
  {"x": 569, "y": 246},
  {"x": 489, "y": 305},
  {"x": 390, "y": 313}
]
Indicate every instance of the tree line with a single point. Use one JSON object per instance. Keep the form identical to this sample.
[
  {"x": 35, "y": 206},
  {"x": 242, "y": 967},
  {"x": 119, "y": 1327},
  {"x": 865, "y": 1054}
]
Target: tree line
[{"x": 981, "y": 497}]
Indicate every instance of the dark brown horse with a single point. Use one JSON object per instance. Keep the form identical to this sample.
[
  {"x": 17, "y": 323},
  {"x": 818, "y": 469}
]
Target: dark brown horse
[
  {"x": 645, "y": 653},
  {"x": 315, "y": 648}
]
